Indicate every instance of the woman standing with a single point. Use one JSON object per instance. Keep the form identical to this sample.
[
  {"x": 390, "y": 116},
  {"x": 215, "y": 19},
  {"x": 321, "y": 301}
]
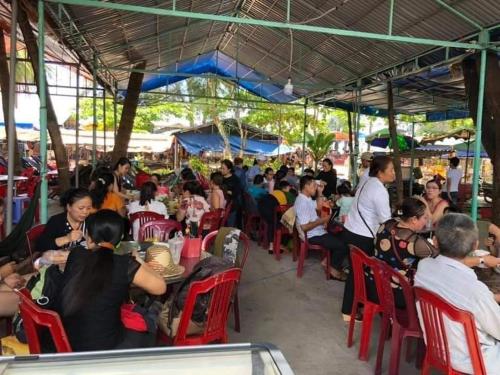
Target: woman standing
[
  {"x": 121, "y": 169},
  {"x": 67, "y": 229},
  {"x": 233, "y": 190},
  {"x": 368, "y": 211}
]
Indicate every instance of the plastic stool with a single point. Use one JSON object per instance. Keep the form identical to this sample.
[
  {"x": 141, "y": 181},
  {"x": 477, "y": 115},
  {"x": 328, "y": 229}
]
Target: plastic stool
[{"x": 18, "y": 207}]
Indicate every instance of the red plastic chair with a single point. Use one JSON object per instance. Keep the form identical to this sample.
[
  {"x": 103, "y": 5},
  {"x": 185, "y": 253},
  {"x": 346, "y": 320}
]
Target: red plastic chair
[
  {"x": 34, "y": 318},
  {"x": 32, "y": 236},
  {"x": 433, "y": 309},
  {"x": 250, "y": 213},
  {"x": 144, "y": 217},
  {"x": 281, "y": 230},
  {"x": 211, "y": 221},
  {"x": 362, "y": 263},
  {"x": 304, "y": 248},
  {"x": 221, "y": 286},
  {"x": 160, "y": 229},
  {"x": 404, "y": 322},
  {"x": 241, "y": 260}
]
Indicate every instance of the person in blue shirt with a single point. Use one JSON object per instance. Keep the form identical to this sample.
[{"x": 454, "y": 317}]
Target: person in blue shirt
[
  {"x": 240, "y": 172},
  {"x": 257, "y": 190},
  {"x": 257, "y": 168}
]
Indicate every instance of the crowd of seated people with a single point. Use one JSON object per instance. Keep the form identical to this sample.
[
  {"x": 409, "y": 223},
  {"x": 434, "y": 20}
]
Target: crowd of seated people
[{"x": 96, "y": 281}]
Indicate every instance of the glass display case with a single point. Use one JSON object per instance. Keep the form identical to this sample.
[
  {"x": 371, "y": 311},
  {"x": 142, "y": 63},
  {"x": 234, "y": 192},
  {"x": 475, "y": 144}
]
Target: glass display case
[{"x": 240, "y": 359}]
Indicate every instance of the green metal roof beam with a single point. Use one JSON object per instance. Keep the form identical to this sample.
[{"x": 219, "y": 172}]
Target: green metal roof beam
[
  {"x": 459, "y": 14},
  {"x": 270, "y": 24}
]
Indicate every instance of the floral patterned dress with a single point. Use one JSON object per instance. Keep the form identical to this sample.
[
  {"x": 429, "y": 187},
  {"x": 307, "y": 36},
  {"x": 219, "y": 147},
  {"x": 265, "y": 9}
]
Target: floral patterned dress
[{"x": 401, "y": 248}]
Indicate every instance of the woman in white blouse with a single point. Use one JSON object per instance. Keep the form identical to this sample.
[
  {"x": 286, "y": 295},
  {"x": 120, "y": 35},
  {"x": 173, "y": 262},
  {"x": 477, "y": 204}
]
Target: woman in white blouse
[
  {"x": 146, "y": 202},
  {"x": 369, "y": 210}
]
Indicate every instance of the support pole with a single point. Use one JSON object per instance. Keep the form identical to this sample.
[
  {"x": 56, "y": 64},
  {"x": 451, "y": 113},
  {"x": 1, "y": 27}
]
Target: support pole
[
  {"x": 94, "y": 114},
  {"x": 479, "y": 123},
  {"x": 351, "y": 148},
  {"x": 304, "y": 137},
  {"x": 77, "y": 128},
  {"x": 104, "y": 118},
  {"x": 356, "y": 133},
  {"x": 391, "y": 17},
  {"x": 412, "y": 157},
  {"x": 115, "y": 114},
  {"x": 12, "y": 146},
  {"x": 44, "y": 191},
  {"x": 467, "y": 158}
]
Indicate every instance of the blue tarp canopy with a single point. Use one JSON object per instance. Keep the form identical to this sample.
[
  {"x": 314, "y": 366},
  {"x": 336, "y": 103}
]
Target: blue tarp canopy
[
  {"x": 222, "y": 65},
  {"x": 438, "y": 93},
  {"x": 195, "y": 143},
  {"x": 20, "y": 125}
]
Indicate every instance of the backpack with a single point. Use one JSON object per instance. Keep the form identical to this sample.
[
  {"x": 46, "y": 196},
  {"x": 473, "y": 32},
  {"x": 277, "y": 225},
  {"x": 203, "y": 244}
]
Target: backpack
[
  {"x": 44, "y": 288},
  {"x": 204, "y": 269}
]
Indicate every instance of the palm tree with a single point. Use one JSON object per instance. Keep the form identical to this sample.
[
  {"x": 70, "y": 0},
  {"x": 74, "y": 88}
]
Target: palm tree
[{"x": 319, "y": 145}]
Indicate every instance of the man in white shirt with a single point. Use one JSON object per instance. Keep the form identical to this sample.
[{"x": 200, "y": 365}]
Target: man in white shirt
[
  {"x": 310, "y": 224},
  {"x": 453, "y": 178},
  {"x": 448, "y": 276}
]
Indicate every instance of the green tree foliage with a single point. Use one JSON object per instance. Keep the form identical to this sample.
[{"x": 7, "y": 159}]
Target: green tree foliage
[
  {"x": 150, "y": 109},
  {"x": 319, "y": 145},
  {"x": 443, "y": 127}
]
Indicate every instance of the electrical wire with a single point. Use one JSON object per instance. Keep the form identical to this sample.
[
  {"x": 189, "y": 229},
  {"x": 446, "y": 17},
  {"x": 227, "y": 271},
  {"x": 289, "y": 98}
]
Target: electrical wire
[{"x": 343, "y": 2}]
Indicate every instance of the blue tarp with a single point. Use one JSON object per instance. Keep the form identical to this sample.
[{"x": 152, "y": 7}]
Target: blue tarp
[
  {"x": 20, "y": 125},
  {"x": 223, "y": 65},
  {"x": 195, "y": 143}
]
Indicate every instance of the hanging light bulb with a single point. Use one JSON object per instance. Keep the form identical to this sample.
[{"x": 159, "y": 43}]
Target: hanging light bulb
[{"x": 288, "y": 89}]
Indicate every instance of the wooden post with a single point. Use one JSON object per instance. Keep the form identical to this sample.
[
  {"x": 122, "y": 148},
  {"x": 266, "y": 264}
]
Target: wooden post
[{"x": 128, "y": 113}]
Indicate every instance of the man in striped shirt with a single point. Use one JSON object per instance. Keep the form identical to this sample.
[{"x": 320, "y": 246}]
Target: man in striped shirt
[{"x": 309, "y": 223}]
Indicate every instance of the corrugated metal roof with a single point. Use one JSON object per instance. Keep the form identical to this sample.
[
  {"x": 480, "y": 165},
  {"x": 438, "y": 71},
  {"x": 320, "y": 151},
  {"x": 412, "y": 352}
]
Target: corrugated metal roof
[{"x": 123, "y": 39}]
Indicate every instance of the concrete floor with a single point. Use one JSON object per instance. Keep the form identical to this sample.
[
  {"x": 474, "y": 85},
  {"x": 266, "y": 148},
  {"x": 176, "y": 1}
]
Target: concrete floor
[{"x": 301, "y": 317}]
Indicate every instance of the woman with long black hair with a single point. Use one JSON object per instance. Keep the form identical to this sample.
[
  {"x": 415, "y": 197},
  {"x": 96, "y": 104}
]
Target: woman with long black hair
[
  {"x": 370, "y": 209},
  {"x": 96, "y": 284},
  {"x": 103, "y": 195},
  {"x": 121, "y": 169}
]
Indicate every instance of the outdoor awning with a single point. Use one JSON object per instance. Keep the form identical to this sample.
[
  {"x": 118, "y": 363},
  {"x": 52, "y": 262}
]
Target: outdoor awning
[
  {"x": 196, "y": 143},
  {"x": 139, "y": 142}
]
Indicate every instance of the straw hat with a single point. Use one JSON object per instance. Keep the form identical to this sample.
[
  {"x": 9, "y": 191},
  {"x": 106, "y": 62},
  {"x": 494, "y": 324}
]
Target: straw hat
[
  {"x": 367, "y": 156},
  {"x": 160, "y": 259}
]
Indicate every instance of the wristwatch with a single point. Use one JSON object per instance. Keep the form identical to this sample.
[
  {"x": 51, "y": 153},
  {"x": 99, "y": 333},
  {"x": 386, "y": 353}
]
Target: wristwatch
[{"x": 481, "y": 261}]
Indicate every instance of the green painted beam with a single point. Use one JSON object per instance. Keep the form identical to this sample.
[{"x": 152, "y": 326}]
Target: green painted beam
[
  {"x": 459, "y": 14},
  {"x": 483, "y": 39},
  {"x": 270, "y": 24},
  {"x": 44, "y": 189},
  {"x": 391, "y": 17}
]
